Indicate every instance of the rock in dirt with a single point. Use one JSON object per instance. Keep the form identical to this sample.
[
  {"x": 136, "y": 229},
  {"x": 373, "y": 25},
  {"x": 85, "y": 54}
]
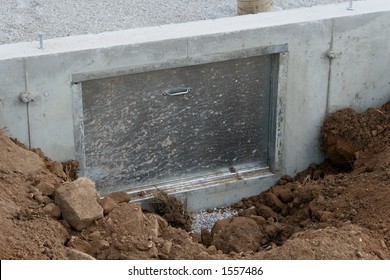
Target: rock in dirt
[
  {"x": 42, "y": 199},
  {"x": 129, "y": 219},
  {"x": 108, "y": 204},
  {"x": 46, "y": 188},
  {"x": 237, "y": 234},
  {"x": 52, "y": 211},
  {"x": 162, "y": 223},
  {"x": 74, "y": 254},
  {"x": 80, "y": 245},
  {"x": 166, "y": 247},
  {"x": 119, "y": 197},
  {"x": 78, "y": 203},
  {"x": 58, "y": 169},
  {"x": 152, "y": 226}
]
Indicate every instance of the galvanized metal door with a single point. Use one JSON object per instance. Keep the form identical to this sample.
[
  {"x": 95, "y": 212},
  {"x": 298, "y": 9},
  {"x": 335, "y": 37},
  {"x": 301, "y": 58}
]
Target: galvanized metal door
[{"x": 177, "y": 124}]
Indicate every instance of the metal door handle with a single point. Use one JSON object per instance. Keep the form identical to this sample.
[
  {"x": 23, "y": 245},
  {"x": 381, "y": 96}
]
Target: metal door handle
[{"x": 177, "y": 91}]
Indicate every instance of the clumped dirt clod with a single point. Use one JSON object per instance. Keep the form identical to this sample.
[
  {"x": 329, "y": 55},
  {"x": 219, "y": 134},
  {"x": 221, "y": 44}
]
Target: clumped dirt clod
[
  {"x": 324, "y": 212},
  {"x": 172, "y": 209}
]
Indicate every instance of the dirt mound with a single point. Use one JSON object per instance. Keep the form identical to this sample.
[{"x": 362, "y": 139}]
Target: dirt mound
[
  {"x": 348, "y": 242},
  {"x": 321, "y": 213},
  {"x": 16, "y": 158},
  {"x": 346, "y": 132}
]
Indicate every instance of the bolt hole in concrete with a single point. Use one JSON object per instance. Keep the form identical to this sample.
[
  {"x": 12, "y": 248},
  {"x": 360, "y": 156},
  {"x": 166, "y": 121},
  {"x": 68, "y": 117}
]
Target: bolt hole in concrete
[{"x": 23, "y": 20}]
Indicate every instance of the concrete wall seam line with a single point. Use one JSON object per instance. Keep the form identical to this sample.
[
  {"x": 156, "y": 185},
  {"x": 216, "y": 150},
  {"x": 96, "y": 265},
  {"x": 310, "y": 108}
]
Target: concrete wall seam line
[{"x": 330, "y": 56}]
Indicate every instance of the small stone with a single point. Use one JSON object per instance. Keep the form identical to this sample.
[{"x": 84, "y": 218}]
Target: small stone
[
  {"x": 153, "y": 226},
  {"x": 95, "y": 235},
  {"x": 212, "y": 250},
  {"x": 353, "y": 212},
  {"x": 108, "y": 204},
  {"x": 161, "y": 221},
  {"x": 383, "y": 244},
  {"x": 163, "y": 256},
  {"x": 142, "y": 246},
  {"x": 58, "y": 169},
  {"x": 153, "y": 251},
  {"x": 52, "y": 210},
  {"x": 42, "y": 199},
  {"x": 102, "y": 244},
  {"x": 80, "y": 245},
  {"x": 120, "y": 197},
  {"x": 359, "y": 254},
  {"x": 74, "y": 254},
  {"x": 166, "y": 248},
  {"x": 46, "y": 188}
]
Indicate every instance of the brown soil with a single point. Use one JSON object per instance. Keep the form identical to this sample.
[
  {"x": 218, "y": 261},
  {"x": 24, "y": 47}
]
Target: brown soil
[{"x": 322, "y": 213}]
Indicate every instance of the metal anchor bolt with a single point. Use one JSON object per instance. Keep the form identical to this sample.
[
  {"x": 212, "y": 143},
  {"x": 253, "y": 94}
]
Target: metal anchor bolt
[
  {"x": 40, "y": 35},
  {"x": 350, "y": 7}
]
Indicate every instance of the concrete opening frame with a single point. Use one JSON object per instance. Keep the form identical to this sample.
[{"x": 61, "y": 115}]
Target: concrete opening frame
[{"x": 247, "y": 178}]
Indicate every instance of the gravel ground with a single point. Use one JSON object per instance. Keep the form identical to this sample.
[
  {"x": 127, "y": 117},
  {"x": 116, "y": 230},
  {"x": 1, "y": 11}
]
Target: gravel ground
[
  {"x": 22, "y": 20},
  {"x": 207, "y": 218}
]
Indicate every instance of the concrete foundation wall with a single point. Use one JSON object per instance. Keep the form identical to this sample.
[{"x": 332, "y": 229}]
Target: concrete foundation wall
[{"x": 336, "y": 58}]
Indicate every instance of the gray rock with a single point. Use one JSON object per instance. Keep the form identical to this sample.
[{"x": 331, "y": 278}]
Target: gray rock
[{"x": 78, "y": 203}]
